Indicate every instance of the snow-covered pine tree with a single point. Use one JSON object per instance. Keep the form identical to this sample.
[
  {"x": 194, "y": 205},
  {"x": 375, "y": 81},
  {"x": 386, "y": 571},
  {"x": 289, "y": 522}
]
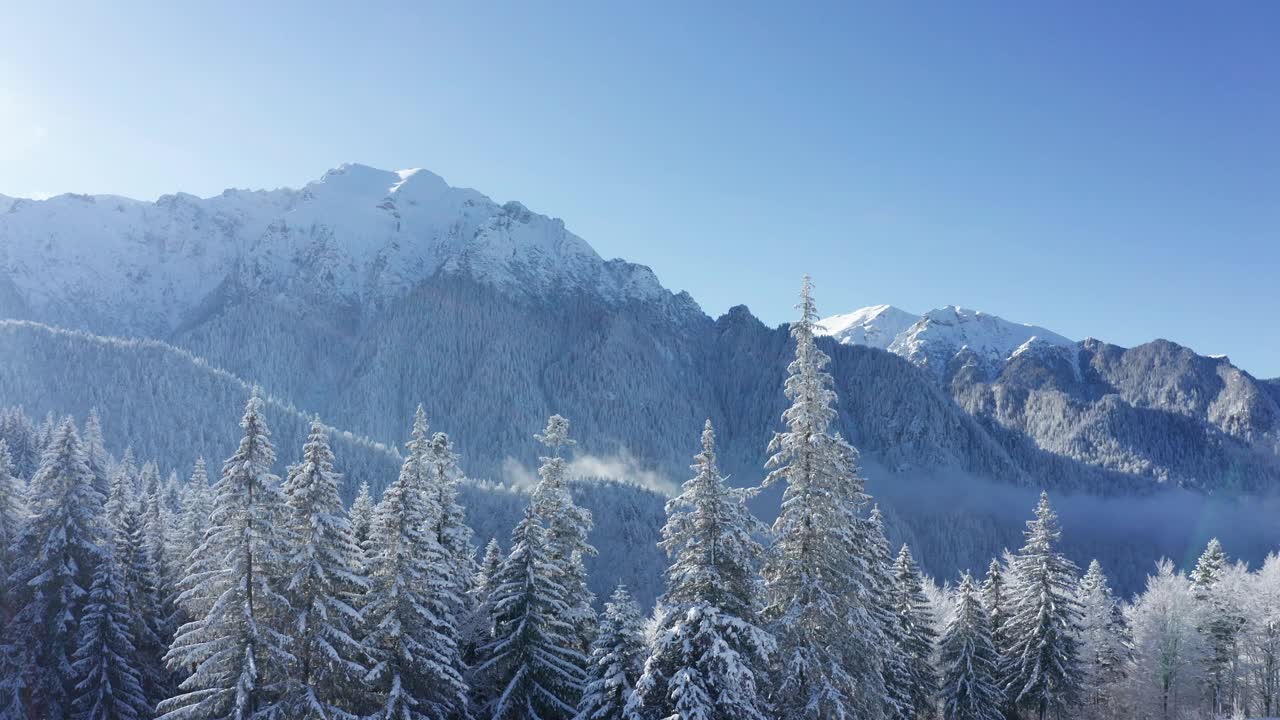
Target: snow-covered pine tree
[
  {"x": 1223, "y": 626},
  {"x": 12, "y": 511},
  {"x": 95, "y": 453},
  {"x": 1042, "y": 670},
  {"x": 617, "y": 659},
  {"x": 197, "y": 506},
  {"x": 107, "y": 671},
  {"x": 970, "y": 686},
  {"x": 122, "y": 494},
  {"x": 817, "y": 574},
  {"x": 475, "y": 630},
  {"x": 709, "y": 659},
  {"x": 325, "y": 578},
  {"x": 157, "y": 529},
  {"x": 915, "y": 620},
  {"x": 530, "y": 668},
  {"x": 140, "y": 594},
  {"x": 410, "y": 641},
  {"x": 362, "y": 510},
  {"x": 896, "y": 671},
  {"x": 1170, "y": 666},
  {"x": 568, "y": 527},
  {"x": 57, "y": 553},
  {"x": 995, "y": 598},
  {"x": 236, "y": 645},
  {"x": 1102, "y": 641},
  {"x": 450, "y": 522}
]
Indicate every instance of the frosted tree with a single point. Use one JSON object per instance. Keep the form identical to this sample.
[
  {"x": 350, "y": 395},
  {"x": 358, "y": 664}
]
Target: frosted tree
[
  {"x": 817, "y": 574},
  {"x": 1224, "y": 622},
  {"x": 95, "y": 453},
  {"x": 157, "y": 528},
  {"x": 108, "y": 685},
  {"x": 362, "y": 511},
  {"x": 57, "y": 553},
  {"x": 531, "y": 667},
  {"x": 896, "y": 670},
  {"x": 915, "y": 618},
  {"x": 12, "y": 511},
  {"x": 1264, "y": 610},
  {"x": 411, "y": 643},
  {"x": 970, "y": 663},
  {"x": 475, "y": 631},
  {"x": 197, "y": 506},
  {"x": 995, "y": 598},
  {"x": 1170, "y": 653},
  {"x": 617, "y": 659},
  {"x": 122, "y": 492},
  {"x": 140, "y": 593},
  {"x": 1042, "y": 670},
  {"x": 236, "y": 645},
  {"x": 568, "y": 527},
  {"x": 449, "y": 523},
  {"x": 325, "y": 578},
  {"x": 709, "y": 658},
  {"x": 1102, "y": 641}
]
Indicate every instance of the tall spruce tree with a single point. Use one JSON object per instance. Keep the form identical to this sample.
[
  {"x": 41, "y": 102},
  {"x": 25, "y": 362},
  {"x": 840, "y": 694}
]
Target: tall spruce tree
[
  {"x": 236, "y": 646},
  {"x": 57, "y": 553},
  {"x": 1223, "y": 626},
  {"x": 1042, "y": 670},
  {"x": 970, "y": 663},
  {"x": 915, "y": 620},
  {"x": 108, "y": 682},
  {"x": 531, "y": 668},
  {"x": 95, "y": 453},
  {"x": 818, "y": 573},
  {"x": 411, "y": 643},
  {"x": 709, "y": 659},
  {"x": 140, "y": 593},
  {"x": 450, "y": 523},
  {"x": 1103, "y": 643},
  {"x": 12, "y": 512},
  {"x": 362, "y": 511},
  {"x": 325, "y": 578},
  {"x": 897, "y": 670},
  {"x": 568, "y": 527},
  {"x": 617, "y": 660},
  {"x": 197, "y": 506}
]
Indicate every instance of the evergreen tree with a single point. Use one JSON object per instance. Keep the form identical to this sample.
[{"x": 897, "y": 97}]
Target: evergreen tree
[
  {"x": 157, "y": 529},
  {"x": 1171, "y": 658},
  {"x": 818, "y": 574},
  {"x": 140, "y": 594},
  {"x": 617, "y": 659},
  {"x": 197, "y": 506},
  {"x": 970, "y": 688},
  {"x": 108, "y": 685},
  {"x": 411, "y": 641},
  {"x": 531, "y": 666},
  {"x": 362, "y": 511},
  {"x": 915, "y": 620},
  {"x": 1223, "y": 625},
  {"x": 449, "y": 522},
  {"x": 1102, "y": 641},
  {"x": 95, "y": 453},
  {"x": 1042, "y": 671},
  {"x": 995, "y": 598},
  {"x": 325, "y": 579},
  {"x": 236, "y": 646},
  {"x": 122, "y": 494},
  {"x": 476, "y": 630},
  {"x": 58, "y": 551},
  {"x": 709, "y": 659},
  {"x": 568, "y": 527},
  {"x": 897, "y": 670},
  {"x": 12, "y": 511}
]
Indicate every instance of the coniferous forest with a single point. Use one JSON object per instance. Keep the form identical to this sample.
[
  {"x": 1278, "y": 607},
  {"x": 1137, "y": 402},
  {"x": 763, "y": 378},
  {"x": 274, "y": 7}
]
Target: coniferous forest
[{"x": 250, "y": 590}]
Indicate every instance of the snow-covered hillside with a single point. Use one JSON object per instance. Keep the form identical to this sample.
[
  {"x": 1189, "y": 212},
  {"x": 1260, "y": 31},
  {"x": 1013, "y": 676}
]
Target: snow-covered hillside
[
  {"x": 356, "y": 236},
  {"x": 934, "y": 340}
]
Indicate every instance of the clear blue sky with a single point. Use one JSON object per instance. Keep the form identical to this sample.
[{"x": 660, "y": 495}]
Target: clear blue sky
[{"x": 1104, "y": 169}]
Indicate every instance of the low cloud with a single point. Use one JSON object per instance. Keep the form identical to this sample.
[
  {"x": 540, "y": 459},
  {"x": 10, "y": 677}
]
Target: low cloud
[{"x": 621, "y": 467}]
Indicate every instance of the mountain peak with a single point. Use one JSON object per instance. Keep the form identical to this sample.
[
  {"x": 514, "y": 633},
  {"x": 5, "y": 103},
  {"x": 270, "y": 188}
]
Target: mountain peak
[{"x": 874, "y": 326}]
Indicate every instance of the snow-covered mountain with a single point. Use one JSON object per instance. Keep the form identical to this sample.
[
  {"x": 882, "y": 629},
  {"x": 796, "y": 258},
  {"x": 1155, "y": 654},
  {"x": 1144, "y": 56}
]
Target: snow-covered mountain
[
  {"x": 944, "y": 340},
  {"x": 357, "y": 236}
]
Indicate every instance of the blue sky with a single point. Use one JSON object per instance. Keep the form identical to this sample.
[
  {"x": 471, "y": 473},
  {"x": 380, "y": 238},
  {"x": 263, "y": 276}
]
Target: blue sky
[{"x": 1104, "y": 169}]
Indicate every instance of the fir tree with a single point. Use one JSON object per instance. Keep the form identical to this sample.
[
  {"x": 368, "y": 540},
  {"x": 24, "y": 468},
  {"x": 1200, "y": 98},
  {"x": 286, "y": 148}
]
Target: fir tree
[
  {"x": 617, "y": 659},
  {"x": 95, "y": 453},
  {"x": 897, "y": 670},
  {"x": 1042, "y": 670},
  {"x": 122, "y": 494},
  {"x": 236, "y": 645},
  {"x": 325, "y": 579},
  {"x": 1102, "y": 640},
  {"x": 108, "y": 685},
  {"x": 915, "y": 620},
  {"x": 709, "y": 659},
  {"x": 476, "y": 630},
  {"x": 1223, "y": 625},
  {"x": 531, "y": 666},
  {"x": 197, "y": 506},
  {"x": 970, "y": 688},
  {"x": 449, "y": 522},
  {"x": 140, "y": 593},
  {"x": 818, "y": 574},
  {"x": 12, "y": 510},
  {"x": 362, "y": 511},
  {"x": 57, "y": 554},
  {"x": 411, "y": 642},
  {"x": 568, "y": 527}
]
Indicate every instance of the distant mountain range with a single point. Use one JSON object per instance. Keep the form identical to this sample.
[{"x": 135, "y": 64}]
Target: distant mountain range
[{"x": 368, "y": 291}]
